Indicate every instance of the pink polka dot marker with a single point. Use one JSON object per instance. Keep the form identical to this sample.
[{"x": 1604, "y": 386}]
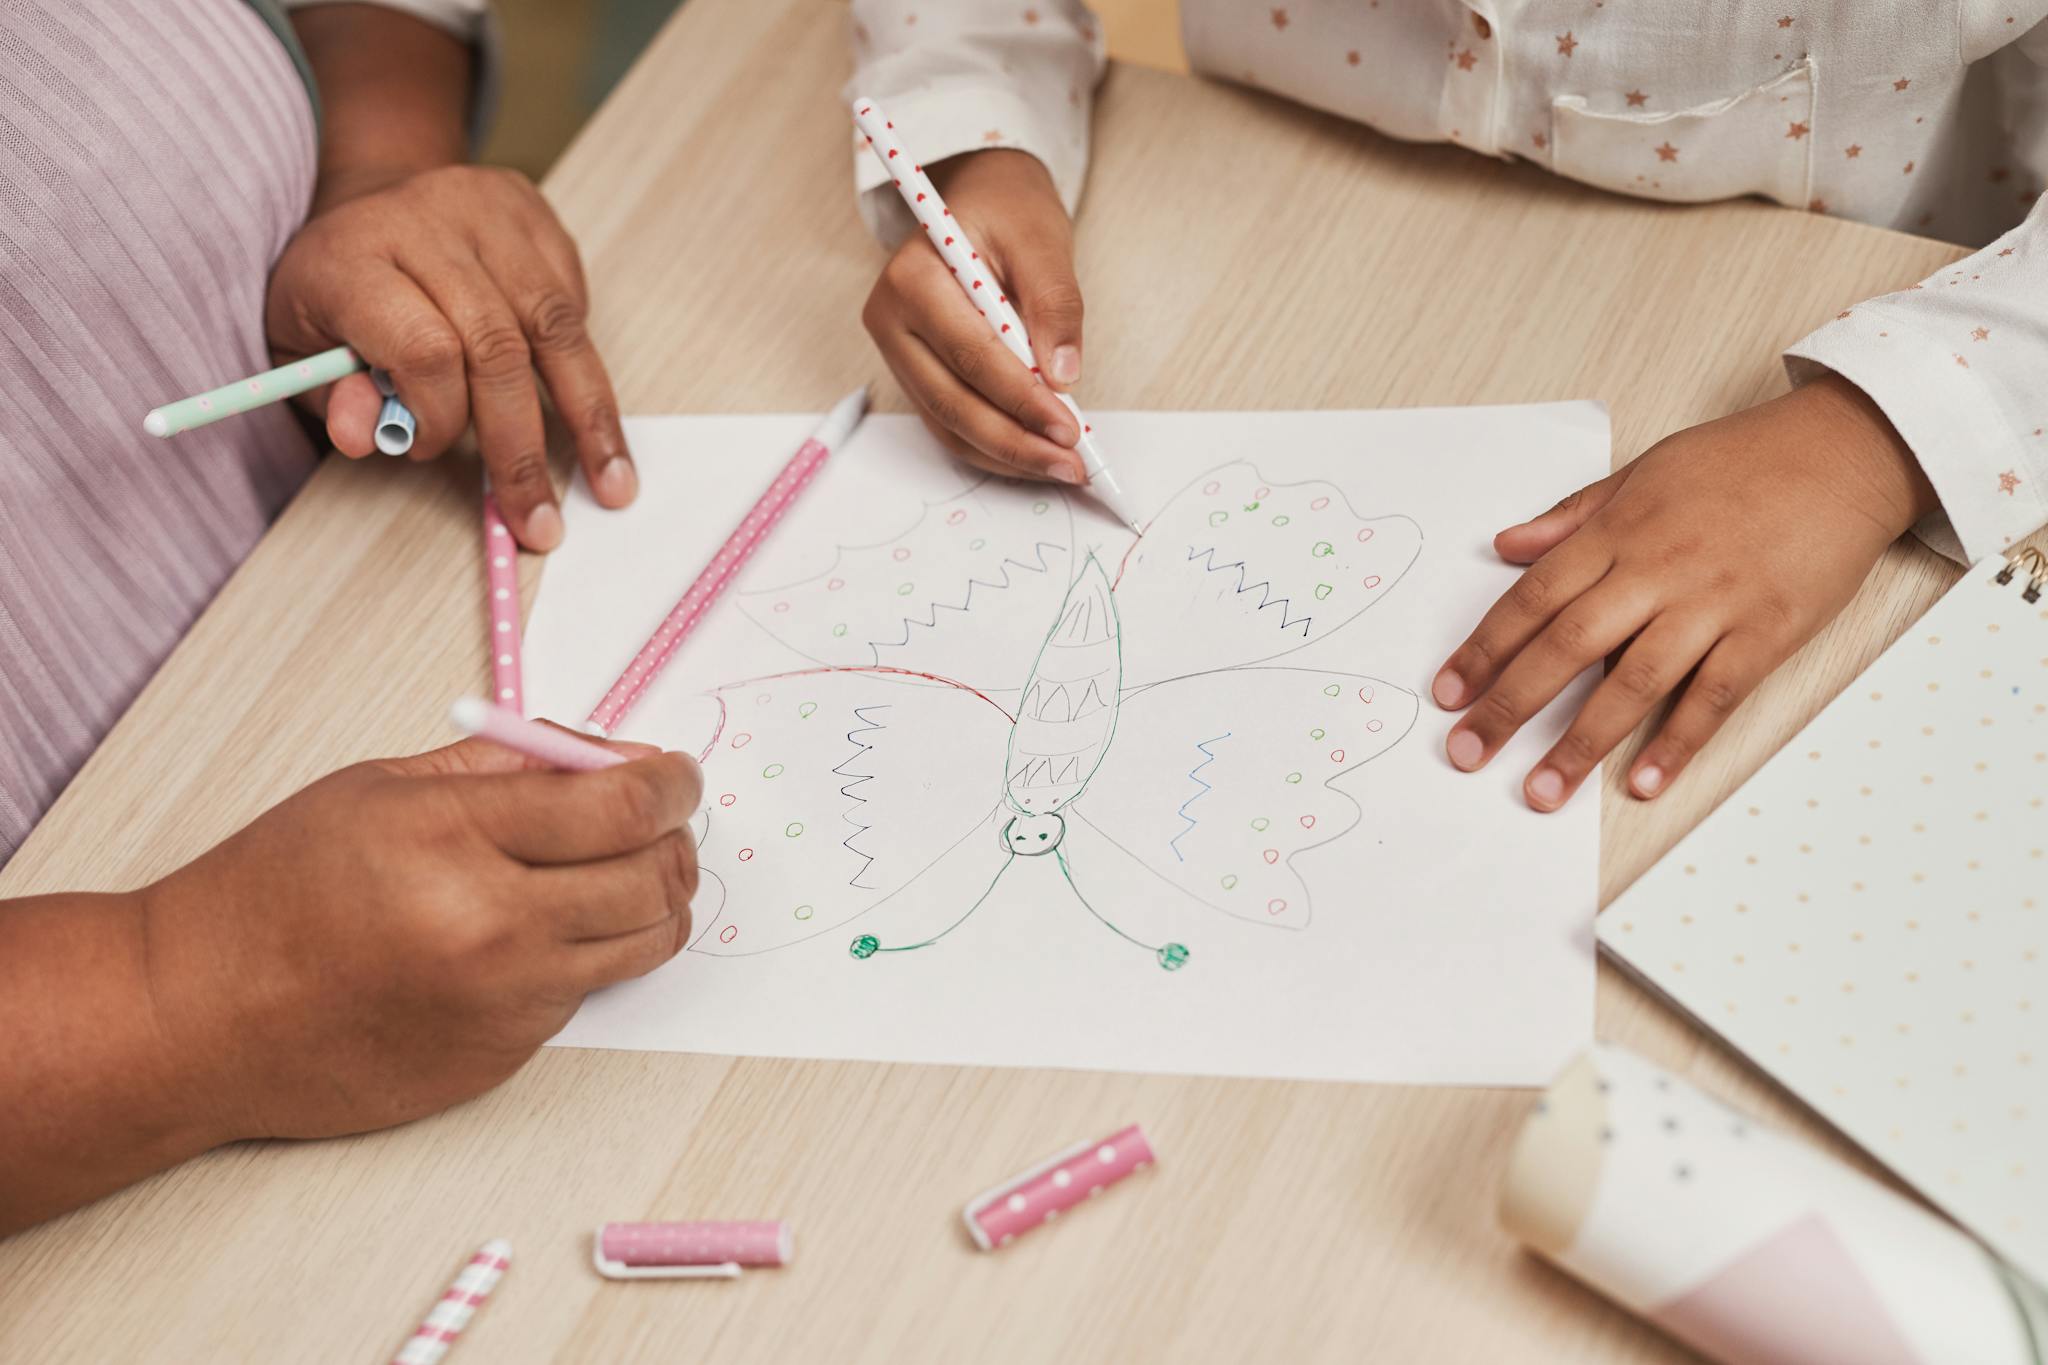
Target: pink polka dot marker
[
  {"x": 1001, "y": 1215},
  {"x": 727, "y": 563},
  {"x": 687, "y": 1251}
]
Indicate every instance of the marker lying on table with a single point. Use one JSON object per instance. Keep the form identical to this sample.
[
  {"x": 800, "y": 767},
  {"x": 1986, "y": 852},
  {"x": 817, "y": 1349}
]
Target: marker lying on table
[
  {"x": 453, "y": 1310},
  {"x": 725, "y": 565},
  {"x": 394, "y": 423},
  {"x": 1049, "y": 1189},
  {"x": 556, "y": 748},
  {"x": 688, "y": 1251},
  {"x": 921, "y": 197}
]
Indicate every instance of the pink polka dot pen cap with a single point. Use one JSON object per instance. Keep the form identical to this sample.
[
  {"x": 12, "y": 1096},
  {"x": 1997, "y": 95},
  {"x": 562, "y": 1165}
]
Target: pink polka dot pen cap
[
  {"x": 689, "y": 1251},
  {"x": 982, "y": 288},
  {"x": 1041, "y": 1194}
]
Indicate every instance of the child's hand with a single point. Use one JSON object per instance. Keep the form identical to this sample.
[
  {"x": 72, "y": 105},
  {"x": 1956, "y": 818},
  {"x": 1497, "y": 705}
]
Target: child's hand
[
  {"x": 402, "y": 935},
  {"x": 1713, "y": 556},
  {"x": 970, "y": 391},
  {"x": 461, "y": 282}
]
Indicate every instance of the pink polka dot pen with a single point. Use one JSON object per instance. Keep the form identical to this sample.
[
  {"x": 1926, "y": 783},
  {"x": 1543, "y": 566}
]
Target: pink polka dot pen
[
  {"x": 726, "y": 564},
  {"x": 452, "y": 1312},
  {"x": 1038, "y": 1196},
  {"x": 501, "y": 575},
  {"x": 556, "y": 748},
  {"x": 982, "y": 288}
]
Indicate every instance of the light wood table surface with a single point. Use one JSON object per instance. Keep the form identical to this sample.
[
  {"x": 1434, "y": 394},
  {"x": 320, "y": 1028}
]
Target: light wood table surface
[{"x": 1239, "y": 252}]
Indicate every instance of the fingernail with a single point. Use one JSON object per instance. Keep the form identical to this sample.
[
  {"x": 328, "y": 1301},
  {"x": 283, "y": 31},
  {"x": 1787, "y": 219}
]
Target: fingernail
[
  {"x": 1546, "y": 787},
  {"x": 616, "y": 482},
  {"x": 1448, "y": 689},
  {"x": 1066, "y": 364},
  {"x": 1061, "y": 434},
  {"x": 1649, "y": 779},
  {"x": 1465, "y": 750},
  {"x": 543, "y": 527},
  {"x": 1066, "y": 473}
]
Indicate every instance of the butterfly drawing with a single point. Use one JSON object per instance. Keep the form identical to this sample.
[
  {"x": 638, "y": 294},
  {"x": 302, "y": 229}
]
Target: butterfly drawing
[{"x": 983, "y": 691}]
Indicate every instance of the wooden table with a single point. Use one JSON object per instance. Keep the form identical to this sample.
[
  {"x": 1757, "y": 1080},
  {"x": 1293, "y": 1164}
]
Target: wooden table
[{"x": 1291, "y": 1221}]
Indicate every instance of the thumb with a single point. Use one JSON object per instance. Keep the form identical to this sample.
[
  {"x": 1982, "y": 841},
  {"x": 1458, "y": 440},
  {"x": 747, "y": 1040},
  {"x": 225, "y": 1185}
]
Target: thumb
[
  {"x": 1528, "y": 541},
  {"x": 1041, "y": 275},
  {"x": 477, "y": 757}
]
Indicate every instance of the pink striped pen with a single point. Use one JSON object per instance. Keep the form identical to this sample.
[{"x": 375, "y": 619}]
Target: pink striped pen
[
  {"x": 726, "y": 564},
  {"x": 457, "y": 1306},
  {"x": 556, "y": 748},
  {"x": 949, "y": 239},
  {"x": 501, "y": 572}
]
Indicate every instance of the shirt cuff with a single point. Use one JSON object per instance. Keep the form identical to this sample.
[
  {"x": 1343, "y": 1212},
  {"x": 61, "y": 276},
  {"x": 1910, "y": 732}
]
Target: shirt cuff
[
  {"x": 944, "y": 122},
  {"x": 1990, "y": 490}
]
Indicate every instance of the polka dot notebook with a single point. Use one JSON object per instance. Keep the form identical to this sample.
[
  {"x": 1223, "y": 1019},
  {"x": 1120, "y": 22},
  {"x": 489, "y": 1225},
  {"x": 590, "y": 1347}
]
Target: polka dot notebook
[{"x": 1867, "y": 916}]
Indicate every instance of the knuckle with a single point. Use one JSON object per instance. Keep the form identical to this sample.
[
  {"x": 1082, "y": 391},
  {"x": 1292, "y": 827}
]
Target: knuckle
[
  {"x": 1059, "y": 302},
  {"x": 966, "y": 359},
  {"x": 498, "y": 350},
  {"x": 429, "y": 349},
  {"x": 1575, "y": 751},
  {"x": 678, "y": 863},
  {"x": 1571, "y": 636},
  {"x": 523, "y": 480},
  {"x": 555, "y": 323},
  {"x": 1531, "y": 593},
  {"x": 1716, "y": 696},
  {"x": 639, "y": 806},
  {"x": 1497, "y": 712},
  {"x": 1636, "y": 681},
  {"x": 944, "y": 410}
]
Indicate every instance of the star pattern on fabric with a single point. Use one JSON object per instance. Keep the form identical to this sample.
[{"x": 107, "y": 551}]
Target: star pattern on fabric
[
  {"x": 1565, "y": 43},
  {"x": 1785, "y": 22},
  {"x": 1901, "y": 83},
  {"x": 1467, "y": 59},
  {"x": 1816, "y": 205},
  {"x": 1853, "y": 150},
  {"x": 2009, "y": 483},
  {"x": 1540, "y": 139},
  {"x": 1352, "y": 56},
  {"x": 1667, "y": 152},
  {"x": 1030, "y": 16},
  {"x": 992, "y": 135},
  {"x": 1280, "y": 18},
  {"x": 1636, "y": 99},
  {"x": 1797, "y": 130},
  {"x": 1981, "y": 334}
]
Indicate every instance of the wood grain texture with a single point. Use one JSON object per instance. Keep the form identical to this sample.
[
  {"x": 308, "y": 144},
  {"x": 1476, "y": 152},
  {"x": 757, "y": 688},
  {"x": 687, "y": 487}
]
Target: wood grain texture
[{"x": 1286, "y": 1220}]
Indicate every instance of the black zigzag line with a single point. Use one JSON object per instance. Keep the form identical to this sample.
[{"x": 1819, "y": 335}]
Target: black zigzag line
[
  {"x": 1264, "y": 588},
  {"x": 871, "y": 725},
  {"x": 968, "y": 600}
]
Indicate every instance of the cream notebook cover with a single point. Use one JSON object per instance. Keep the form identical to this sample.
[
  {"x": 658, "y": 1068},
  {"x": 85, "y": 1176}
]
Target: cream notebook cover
[{"x": 1867, "y": 916}]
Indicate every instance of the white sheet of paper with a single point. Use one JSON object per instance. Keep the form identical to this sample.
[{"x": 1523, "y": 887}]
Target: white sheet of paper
[{"x": 1214, "y": 834}]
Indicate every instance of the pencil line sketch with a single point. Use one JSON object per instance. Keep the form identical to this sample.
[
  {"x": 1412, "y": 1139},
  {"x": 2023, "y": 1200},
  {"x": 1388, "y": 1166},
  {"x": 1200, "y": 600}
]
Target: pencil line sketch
[{"x": 1137, "y": 717}]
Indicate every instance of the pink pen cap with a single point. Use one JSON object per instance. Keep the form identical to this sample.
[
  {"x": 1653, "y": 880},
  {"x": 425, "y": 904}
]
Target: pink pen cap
[
  {"x": 688, "y": 1251},
  {"x": 1046, "y": 1191}
]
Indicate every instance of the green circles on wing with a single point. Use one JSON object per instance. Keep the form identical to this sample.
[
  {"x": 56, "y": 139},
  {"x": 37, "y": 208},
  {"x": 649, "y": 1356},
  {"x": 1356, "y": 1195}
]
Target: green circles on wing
[
  {"x": 864, "y": 947},
  {"x": 772, "y": 771},
  {"x": 1261, "y": 823},
  {"x": 1294, "y": 778},
  {"x": 1173, "y": 956}
]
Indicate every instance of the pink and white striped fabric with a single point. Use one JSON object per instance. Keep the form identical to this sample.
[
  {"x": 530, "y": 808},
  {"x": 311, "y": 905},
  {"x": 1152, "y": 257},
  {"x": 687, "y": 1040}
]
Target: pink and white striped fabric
[{"x": 154, "y": 160}]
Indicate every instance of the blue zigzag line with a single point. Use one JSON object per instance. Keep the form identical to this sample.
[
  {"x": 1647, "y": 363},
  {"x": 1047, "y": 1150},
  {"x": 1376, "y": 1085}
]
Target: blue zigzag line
[
  {"x": 967, "y": 601},
  {"x": 1264, "y": 588},
  {"x": 1207, "y": 759},
  {"x": 854, "y": 796}
]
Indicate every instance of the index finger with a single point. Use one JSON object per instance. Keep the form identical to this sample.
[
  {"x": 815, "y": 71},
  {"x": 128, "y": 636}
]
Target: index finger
[{"x": 559, "y": 817}]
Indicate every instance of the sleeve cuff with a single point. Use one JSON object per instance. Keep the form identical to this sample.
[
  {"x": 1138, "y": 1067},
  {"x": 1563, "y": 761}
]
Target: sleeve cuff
[
  {"x": 1950, "y": 419},
  {"x": 941, "y": 123}
]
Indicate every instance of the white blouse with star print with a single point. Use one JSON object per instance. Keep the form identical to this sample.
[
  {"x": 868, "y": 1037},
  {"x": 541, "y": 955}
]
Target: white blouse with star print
[{"x": 1929, "y": 116}]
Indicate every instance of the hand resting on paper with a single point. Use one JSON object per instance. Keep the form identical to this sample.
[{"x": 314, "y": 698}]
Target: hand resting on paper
[
  {"x": 1707, "y": 561},
  {"x": 970, "y": 391},
  {"x": 457, "y": 279},
  {"x": 394, "y": 938}
]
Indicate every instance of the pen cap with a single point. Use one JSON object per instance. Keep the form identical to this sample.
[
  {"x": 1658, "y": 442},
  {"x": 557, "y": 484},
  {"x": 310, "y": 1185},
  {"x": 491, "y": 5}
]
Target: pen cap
[
  {"x": 713, "y": 1243},
  {"x": 1043, "y": 1193}
]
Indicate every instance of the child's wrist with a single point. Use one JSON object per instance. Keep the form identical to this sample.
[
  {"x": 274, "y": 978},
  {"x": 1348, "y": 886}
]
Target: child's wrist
[
  {"x": 1878, "y": 467},
  {"x": 188, "y": 1060}
]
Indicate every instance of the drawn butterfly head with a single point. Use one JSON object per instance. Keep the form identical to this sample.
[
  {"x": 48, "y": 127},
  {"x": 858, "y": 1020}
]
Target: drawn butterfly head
[{"x": 1142, "y": 716}]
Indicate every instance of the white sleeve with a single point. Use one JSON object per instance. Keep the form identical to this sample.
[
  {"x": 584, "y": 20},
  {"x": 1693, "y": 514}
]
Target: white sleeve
[
  {"x": 966, "y": 75},
  {"x": 463, "y": 18},
  {"x": 1956, "y": 362}
]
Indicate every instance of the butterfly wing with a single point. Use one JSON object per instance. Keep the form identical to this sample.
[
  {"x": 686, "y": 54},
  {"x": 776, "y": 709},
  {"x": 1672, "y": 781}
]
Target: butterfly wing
[
  {"x": 963, "y": 592},
  {"x": 1243, "y": 570},
  {"x": 1219, "y": 781},
  {"x": 827, "y": 792}
]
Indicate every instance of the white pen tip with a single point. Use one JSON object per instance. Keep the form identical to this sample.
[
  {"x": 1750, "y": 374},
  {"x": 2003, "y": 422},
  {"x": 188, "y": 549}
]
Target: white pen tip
[
  {"x": 156, "y": 424},
  {"x": 1135, "y": 527},
  {"x": 467, "y": 714}
]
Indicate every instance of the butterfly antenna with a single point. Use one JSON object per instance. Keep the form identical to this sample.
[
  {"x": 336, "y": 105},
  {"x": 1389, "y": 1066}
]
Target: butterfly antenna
[
  {"x": 867, "y": 945},
  {"x": 1171, "y": 956}
]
